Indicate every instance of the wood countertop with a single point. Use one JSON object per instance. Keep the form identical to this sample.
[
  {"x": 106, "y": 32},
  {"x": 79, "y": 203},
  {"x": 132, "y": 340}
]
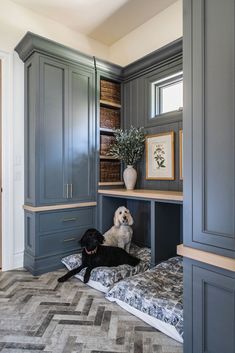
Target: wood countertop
[
  {"x": 145, "y": 194},
  {"x": 58, "y": 207},
  {"x": 226, "y": 263}
]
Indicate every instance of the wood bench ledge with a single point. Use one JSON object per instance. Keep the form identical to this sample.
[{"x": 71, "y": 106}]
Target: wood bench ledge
[{"x": 226, "y": 263}]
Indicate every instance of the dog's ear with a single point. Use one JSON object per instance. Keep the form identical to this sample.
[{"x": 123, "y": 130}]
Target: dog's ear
[
  {"x": 116, "y": 221},
  {"x": 130, "y": 220},
  {"x": 84, "y": 237},
  {"x": 100, "y": 237},
  {"x": 88, "y": 233}
]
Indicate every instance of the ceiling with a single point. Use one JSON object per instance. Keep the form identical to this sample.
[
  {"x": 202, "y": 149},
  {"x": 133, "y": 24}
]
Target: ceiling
[{"x": 104, "y": 20}]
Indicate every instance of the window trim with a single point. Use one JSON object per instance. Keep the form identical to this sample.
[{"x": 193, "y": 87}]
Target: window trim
[
  {"x": 165, "y": 70},
  {"x": 156, "y": 93}
]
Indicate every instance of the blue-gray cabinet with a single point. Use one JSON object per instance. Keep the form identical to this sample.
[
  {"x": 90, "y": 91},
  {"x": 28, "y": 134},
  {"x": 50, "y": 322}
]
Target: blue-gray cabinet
[
  {"x": 209, "y": 309},
  {"x": 63, "y": 133},
  {"x": 60, "y": 150},
  {"x": 51, "y": 133},
  {"x": 82, "y": 137},
  {"x": 209, "y": 173},
  {"x": 51, "y": 235},
  {"x": 209, "y": 118}
]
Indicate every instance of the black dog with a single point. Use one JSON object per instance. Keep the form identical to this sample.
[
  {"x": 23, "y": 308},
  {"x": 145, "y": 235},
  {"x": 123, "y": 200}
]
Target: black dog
[{"x": 96, "y": 255}]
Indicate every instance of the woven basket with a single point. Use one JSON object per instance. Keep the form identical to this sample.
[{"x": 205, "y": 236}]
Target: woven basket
[
  {"x": 105, "y": 142},
  {"x": 110, "y": 91},
  {"x": 109, "y": 171},
  {"x": 109, "y": 118}
]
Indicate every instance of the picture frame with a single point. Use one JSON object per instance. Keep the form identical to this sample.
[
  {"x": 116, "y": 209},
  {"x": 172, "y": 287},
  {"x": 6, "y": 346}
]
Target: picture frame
[
  {"x": 181, "y": 154},
  {"x": 159, "y": 150}
]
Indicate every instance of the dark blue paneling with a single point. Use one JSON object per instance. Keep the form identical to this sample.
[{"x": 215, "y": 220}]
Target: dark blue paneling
[
  {"x": 64, "y": 219},
  {"x": 30, "y": 128},
  {"x": 209, "y": 119},
  {"x": 209, "y": 309},
  {"x": 53, "y": 133},
  {"x": 137, "y": 112},
  {"x": 82, "y": 135},
  {"x": 49, "y": 236}
]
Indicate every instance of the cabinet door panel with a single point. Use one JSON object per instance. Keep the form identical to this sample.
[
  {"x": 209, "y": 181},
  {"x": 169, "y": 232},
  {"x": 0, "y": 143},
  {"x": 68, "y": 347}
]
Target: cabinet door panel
[
  {"x": 209, "y": 117},
  {"x": 209, "y": 309},
  {"x": 53, "y": 131},
  {"x": 82, "y": 135}
]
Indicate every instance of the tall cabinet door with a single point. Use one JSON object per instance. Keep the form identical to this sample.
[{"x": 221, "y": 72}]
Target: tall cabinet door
[
  {"x": 209, "y": 125},
  {"x": 82, "y": 134},
  {"x": 53, "y": 132}
]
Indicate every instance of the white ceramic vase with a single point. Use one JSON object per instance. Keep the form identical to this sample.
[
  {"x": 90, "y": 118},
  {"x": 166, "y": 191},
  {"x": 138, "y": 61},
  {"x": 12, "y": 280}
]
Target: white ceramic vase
[{"x": 129, "y": 177}]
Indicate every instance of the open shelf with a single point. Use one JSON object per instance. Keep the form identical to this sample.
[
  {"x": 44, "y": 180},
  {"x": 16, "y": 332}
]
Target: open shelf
[
  {"x": 108, "y": 157},
  {"x": 110, "y": 104},
  {"x": 106, "y": 131},
  {"x": 110, "y": 116},
  {"x": 110, "y": 183}
]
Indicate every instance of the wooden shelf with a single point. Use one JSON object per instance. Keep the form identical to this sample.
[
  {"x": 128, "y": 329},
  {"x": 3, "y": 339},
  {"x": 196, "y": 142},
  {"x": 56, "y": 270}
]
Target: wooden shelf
[
  {"x": 175, "y": 196},
  {"x": 109, "y": 157},
  {"x": 206, "y": 257},
  {"x": 110, "y": 104},
  {"x": 58, "y": 207},
  {"x": 112, "y": 113},
  {"x": 105, "y": 130},
  {"x": 110, "y": 183}
]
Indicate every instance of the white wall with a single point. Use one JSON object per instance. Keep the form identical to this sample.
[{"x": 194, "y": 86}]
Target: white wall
[
  {"x": 16, "y": 20},
  {"x": 18, "y": 161},
  {"x": 153, "y": 34}
]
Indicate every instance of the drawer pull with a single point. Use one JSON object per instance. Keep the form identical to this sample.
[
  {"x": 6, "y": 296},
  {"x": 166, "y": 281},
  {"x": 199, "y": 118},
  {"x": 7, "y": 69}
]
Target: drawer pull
[
  {"x": 70, "y": 239},
  {"x": 69, "y": 219}
]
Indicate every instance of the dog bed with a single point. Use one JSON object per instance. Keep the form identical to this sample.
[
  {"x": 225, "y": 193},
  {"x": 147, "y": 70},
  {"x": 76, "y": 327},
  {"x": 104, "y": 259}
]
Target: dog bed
[
  {"x": 103, "y": 278},
  {"x": 155, "y": 296}
]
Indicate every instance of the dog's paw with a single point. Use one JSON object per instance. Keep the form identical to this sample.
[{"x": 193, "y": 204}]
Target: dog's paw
[
  {"x": 61, "y": 279},
  {"x": 86, "y": 279}
]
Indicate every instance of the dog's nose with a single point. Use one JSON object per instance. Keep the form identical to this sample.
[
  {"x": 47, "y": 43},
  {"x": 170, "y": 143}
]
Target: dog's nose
[{"x": 124, "y": 217}]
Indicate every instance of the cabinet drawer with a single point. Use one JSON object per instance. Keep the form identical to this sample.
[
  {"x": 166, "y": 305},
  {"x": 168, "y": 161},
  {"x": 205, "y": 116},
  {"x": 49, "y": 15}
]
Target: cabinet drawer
[
  {"x": 60, "y": 220},
  {"x": 60, "y": 242}
]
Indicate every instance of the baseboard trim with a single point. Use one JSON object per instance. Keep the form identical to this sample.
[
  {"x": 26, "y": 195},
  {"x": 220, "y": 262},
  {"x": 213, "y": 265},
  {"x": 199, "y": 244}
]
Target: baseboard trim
[{"x": 18, "y": 260}]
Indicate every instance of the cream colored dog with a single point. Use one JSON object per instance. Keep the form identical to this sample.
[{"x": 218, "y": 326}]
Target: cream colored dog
[{"x": 121, "y": 233}]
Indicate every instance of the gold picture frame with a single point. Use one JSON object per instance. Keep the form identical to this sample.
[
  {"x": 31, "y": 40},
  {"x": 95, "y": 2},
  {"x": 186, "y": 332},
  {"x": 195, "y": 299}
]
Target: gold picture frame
[
  {"x": 181, "y": 153},
  {"x": 159, "y": 153}
]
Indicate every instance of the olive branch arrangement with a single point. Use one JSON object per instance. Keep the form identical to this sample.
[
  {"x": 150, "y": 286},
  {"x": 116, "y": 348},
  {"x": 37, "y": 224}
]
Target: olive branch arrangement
[{"x": 128, "y": 145}]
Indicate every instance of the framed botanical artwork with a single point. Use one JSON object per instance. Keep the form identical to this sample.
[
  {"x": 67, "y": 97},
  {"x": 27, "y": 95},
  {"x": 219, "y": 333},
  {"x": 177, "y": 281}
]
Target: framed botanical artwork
[
  {"x": 160, "y": 156},
  {"x": 181, "y": 153}
]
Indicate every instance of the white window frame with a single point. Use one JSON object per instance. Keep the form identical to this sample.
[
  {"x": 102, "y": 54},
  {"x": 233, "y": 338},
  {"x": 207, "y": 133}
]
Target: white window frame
[{"x": 157, "y": 92}]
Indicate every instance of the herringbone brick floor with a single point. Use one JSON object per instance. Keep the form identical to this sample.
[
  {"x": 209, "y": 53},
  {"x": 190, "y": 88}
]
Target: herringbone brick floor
[{"x": 38, "y": 314}]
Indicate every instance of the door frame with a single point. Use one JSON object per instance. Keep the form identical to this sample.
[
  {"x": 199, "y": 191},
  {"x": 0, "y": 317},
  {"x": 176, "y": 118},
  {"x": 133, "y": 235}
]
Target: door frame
[{"x": 7, "y": 159}]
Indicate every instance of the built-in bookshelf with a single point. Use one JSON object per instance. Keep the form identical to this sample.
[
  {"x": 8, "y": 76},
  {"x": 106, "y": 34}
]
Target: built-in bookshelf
[{"x": 110, "y": 119}]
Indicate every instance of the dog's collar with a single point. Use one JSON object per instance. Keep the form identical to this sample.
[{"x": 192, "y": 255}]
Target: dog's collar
[{"x": 91, "y": 252}]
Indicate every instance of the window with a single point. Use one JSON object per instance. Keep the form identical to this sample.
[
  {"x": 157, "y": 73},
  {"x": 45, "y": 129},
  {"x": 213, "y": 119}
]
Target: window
[{"x": 167, "y": 94}]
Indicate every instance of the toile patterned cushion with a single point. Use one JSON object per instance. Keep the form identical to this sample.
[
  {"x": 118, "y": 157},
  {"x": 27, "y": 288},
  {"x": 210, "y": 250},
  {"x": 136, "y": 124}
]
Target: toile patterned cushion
[
  {"x": 103, "y": 278},
  {"x": 157, "y": 292}
]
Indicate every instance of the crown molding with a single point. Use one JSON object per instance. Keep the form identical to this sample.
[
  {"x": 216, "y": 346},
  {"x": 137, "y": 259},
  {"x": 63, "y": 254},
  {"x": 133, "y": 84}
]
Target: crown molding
[
  {"x": 32, "y": 43},
  {"x": 172, "y": 52},
  {"x": 107, "y": 68}
]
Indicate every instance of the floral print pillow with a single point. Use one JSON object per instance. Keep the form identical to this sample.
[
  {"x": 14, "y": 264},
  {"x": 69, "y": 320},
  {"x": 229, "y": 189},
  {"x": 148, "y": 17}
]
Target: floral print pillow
[{"x": 157, "y": 292}]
